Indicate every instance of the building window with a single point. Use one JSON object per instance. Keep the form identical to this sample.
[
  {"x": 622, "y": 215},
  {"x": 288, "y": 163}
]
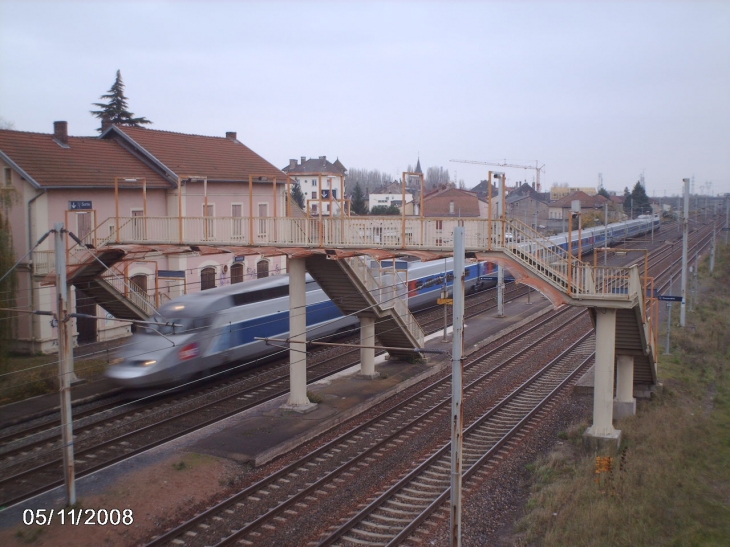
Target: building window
[
  {"x": 237, "y": 222},
  {"x": 7, "y": 176},
  {"x": 263, "y": 213},
  {"x": 237, "y": 273},
  {"x": 208, "y": 224},
  {"x": 207, "y": 279},
  {"x": 314, "y": 195},
  {"x": 139, "y": 231},
  {"x": 314, "y": 182},
  {"x": 262, "y": 269}
]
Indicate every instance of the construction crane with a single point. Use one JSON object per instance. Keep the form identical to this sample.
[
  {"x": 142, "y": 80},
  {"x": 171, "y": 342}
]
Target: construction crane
[{"x": 504, "y": 163}]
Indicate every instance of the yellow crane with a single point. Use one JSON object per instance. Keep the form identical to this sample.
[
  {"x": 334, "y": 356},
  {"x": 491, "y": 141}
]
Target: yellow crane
[{"x": 504, "y": 163}]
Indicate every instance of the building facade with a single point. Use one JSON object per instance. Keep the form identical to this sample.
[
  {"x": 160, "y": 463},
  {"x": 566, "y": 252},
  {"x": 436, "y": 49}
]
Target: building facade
[
  {"x": 322, "y": 183},
  {"x": 91, "y": 183}
]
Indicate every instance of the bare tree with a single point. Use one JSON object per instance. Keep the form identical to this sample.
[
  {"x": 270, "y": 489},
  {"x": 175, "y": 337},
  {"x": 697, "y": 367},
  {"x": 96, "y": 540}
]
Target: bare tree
[
  {"x": 6, "y": 124},
  {"x": 437, "y": 177}
]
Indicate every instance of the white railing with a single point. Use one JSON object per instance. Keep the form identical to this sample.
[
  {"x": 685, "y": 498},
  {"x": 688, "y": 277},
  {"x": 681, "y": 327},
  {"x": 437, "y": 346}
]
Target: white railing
[
  {"x": 388, "y": 296},
  {"x": 516, "y": 239},
  {"x": 125, "y": 289}
]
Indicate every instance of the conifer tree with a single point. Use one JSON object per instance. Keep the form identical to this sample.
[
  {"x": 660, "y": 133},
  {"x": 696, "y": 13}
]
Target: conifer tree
[
  {"x": 115, "y": 110},
  {"x": 359, "y": 206},
  {"x": 297, "y": 195}
]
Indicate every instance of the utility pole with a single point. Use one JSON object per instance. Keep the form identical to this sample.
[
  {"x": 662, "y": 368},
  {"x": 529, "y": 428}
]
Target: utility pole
[
  {"x": 65, "y": 363},
  {"x": 500, "y": 271},
  {"x": 727, "y": 209},
  {"x": 685, "y": 237},
  {"x": 605, "y": 232},
  {"x": 669, "y": 314},
  {"x": 712, "y": 248},
  {"x": 457, "y": 372}
]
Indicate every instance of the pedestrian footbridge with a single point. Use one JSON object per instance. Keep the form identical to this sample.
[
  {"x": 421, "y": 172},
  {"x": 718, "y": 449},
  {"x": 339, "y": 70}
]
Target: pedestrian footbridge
[{"x": 329, "y": 248}]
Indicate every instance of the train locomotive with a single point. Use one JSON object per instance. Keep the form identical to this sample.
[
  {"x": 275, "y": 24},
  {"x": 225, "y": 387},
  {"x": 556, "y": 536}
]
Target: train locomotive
[{"x": 197, "y": 332}]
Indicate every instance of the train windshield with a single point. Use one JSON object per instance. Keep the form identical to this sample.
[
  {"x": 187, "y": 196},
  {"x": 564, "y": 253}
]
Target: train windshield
[{"x": 175, "y": 325}]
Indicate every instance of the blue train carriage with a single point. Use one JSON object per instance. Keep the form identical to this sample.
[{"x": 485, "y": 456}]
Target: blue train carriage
[{"x": 201, "y": 331}]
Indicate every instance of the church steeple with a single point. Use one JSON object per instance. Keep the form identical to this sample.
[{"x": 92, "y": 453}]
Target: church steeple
[{"x": 418, "y": 166}]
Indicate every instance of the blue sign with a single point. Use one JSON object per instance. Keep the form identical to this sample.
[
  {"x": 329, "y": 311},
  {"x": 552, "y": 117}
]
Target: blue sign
[
  {"x": 174, "y": 274},
  {"x": 239, "y": 259},
  {"x": 79, "y": 205},
  {"x": 488, "y": 278},
  {"x": 670, "y": 298}
]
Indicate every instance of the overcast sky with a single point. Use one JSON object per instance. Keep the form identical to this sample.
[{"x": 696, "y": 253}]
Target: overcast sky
[{"x": 617, "y": 88}]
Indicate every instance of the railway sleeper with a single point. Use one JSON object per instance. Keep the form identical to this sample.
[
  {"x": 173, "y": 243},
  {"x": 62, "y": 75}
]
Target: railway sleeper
[{"x": 390, "y": 519}]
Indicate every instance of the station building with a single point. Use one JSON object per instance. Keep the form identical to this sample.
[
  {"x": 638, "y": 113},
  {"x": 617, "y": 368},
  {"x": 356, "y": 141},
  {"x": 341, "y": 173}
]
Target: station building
[{"x": 125, "y": 172}]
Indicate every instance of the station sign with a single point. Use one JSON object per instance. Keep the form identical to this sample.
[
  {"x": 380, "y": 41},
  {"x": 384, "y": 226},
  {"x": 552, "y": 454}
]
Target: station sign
[
  {"x": 79, "y": 205},
  {"x": 670, "y": 298},
  {"x": 488, "y": 278},
  {"x": 726, "y": 229}
]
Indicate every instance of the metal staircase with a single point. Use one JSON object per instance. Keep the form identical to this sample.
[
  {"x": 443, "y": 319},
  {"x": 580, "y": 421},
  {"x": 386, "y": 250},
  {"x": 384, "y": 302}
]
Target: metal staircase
[
  {"x": 594, "y": 286},
  {"x": 98, "y": 281},
  {"x": 350, "y": 284}
]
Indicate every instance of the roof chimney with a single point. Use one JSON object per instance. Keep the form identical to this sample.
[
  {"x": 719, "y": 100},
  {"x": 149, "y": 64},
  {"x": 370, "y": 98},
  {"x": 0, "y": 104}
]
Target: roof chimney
[
  {"x": 106, "y": 123},
  {"x": 323, "y": 158},
  {"x": 292, "y": 164},
  {"x": 60, "y": 133},
  {"x": 231, "y": 135},
  {"x": 304, "y": 158}
]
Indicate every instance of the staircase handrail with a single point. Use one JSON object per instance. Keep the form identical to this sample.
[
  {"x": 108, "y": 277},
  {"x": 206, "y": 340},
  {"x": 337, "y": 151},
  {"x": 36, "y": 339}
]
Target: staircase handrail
[
  {"x": 358, "y": 265},
  {"x": 142, "y": 301}
]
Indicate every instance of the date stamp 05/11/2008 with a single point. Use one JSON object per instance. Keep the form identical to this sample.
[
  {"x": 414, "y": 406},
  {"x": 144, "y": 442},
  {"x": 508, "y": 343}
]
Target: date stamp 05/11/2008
[{"x": 79, "y": 517}]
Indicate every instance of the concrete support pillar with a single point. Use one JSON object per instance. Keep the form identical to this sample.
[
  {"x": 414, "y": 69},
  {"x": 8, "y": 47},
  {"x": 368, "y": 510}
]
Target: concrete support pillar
[
  {"x": 602, "y": 431},
  {"x": 367, "y": 353},
  {"x": 624, "y": 404},
  {"x": 298, "y": 337}
]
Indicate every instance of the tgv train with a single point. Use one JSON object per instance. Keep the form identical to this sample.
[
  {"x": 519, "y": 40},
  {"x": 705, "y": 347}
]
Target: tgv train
[
  {"x": 605, "y": 236},
  {"x": 200, "y": 331}
]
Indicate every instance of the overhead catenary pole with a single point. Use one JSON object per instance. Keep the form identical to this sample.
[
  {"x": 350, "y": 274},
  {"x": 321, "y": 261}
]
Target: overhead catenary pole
[
  {"x": 685, "y": 237},
  {"x": 457, "y": 371},
  {"x": 712, "y": 248},
  {"x": 65, "y": 363},
  {"x": 669, "y": 315},
  {"x": 500, "y": 270}
]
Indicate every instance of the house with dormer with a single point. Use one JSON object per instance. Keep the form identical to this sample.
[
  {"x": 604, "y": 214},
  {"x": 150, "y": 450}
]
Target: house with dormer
[{"x": 322, "y": 183}]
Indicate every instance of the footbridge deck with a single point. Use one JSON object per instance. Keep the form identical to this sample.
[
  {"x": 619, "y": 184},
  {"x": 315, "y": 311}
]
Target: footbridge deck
[{"x": 531, "y": 258}]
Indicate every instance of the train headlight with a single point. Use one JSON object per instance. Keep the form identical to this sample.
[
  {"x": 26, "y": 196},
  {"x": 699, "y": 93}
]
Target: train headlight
[
  {"x": 190, "y": 351},
  {"x": 148, "y": 363}
]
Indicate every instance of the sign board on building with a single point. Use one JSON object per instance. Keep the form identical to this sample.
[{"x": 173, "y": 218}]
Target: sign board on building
[
  {"x": 239, "y": 259},
  {"x": 79, "y": 205},
  {"x": 174, "y": 274},
  {"x": 670, "y": 298}
]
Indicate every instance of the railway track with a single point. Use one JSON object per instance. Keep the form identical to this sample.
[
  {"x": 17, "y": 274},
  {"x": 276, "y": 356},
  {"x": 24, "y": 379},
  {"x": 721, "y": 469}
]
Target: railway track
[
  {"x": 328, "y": 470},
  {"x": 30, "y": 461}
]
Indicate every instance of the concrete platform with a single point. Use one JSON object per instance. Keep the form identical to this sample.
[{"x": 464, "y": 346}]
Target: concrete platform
[{"x": 266, "y": 431}]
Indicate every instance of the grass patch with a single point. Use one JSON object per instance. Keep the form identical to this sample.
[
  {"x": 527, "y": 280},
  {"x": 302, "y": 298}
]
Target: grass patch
[
  {"x": 23, "y": 376},
  {"x": 29, "y": 535},
  {"x": 314, "y": 398},
  {"x": 671, "y": 483}
]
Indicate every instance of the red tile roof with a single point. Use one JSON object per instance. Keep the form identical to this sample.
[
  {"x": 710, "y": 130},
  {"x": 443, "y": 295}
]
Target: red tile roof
[
  {"x": 87, "y": 161},
  {"x": 438, "y": 203},
  {"x": 218, "y": 158},
  {"x": 586, "y": 201}
]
